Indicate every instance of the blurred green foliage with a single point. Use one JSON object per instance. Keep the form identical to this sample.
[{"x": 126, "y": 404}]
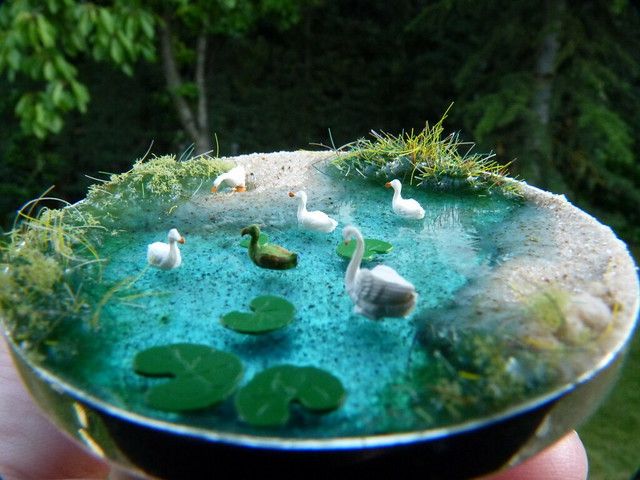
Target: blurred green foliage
[
  {"x": 40, "y": 42},
  {"x": 348, "y": 67}
]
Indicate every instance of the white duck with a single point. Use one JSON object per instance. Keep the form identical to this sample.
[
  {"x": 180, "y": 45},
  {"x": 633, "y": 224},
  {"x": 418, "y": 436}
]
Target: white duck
[
  {"x": 166, "y": 256},
  {"x": 405, "y": 207},
  {"x": 234, "y": 178},
  {"x": 376, "y": 293},
  {"x": 315, "y": 220}
]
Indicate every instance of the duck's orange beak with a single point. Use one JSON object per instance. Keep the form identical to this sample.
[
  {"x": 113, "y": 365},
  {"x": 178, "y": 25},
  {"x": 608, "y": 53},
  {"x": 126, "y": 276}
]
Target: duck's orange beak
[
  {"x": 388, "y": 184},
  {"x": 291, "y": 194},
  {"x": 214, "y": 189},
  {"x": 182, "y": 240},
  {"x": 241, "y": 188}
]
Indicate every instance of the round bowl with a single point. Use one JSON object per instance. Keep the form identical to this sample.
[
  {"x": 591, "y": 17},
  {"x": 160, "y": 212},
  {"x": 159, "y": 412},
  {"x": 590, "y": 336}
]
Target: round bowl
[{"x": 163, "y": 449}]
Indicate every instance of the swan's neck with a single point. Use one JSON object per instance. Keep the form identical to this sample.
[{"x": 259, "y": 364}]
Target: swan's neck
[
  {"x": 173, "y": 253},
  {"x": 396, "y": 193},
  {"x": 354, "y": 264},
  {"x": 302, "y": 206}
]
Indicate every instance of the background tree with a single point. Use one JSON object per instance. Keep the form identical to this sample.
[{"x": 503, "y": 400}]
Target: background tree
[
  {"x": 41, "y": 40},
  {"x": 195, "y": 22},
  {"x": 553, "y": 85}
]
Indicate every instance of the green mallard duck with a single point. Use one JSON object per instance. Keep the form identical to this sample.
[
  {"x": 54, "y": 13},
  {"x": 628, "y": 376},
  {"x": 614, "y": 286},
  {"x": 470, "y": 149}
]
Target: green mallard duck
[{"x": 267, "y": 255}]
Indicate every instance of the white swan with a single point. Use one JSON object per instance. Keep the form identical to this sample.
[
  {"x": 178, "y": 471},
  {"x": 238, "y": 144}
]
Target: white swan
[
  {"x": 234, "y": 178},
  {"x": 376, "y": 293},
  {"x": 405, "y": 207},
  {"x": 315, "y": 220},
  {"x": 166, "y": 256}
]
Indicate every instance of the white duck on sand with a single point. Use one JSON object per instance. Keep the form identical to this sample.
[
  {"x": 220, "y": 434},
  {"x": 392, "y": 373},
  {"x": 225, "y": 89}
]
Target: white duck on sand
[
  {"x": 380, "y": 292},
  {"x": 404, "y": 207},
  {"x": 234, "y": 178},
  {"x": 314, "y": 220},
  {"x": 166, "y": 256}
]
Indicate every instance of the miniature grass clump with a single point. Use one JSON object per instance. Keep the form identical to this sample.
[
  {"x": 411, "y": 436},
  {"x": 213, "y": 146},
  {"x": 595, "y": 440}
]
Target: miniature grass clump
[
  {"x": 41, "y": 266},
  {"x": 548, "y": 307},
  {"x": 463, "y": 374},
  {"x": 426, "y": 158},
  {"x": 558, "y": 319},
  {"x": 160, "y": 180}
]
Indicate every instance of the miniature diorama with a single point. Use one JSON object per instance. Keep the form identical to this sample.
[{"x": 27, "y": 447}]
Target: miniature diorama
[{"x": 478, "y": 309}]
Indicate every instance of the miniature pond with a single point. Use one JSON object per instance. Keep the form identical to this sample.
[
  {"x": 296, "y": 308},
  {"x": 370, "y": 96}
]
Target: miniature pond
[{"x": 455, "y": 358}]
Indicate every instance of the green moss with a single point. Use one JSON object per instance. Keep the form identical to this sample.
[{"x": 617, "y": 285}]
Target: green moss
[
  {"x": 163, "y": 176},
  {"x": 50, "y": 269},
  {"x": 39, "y": 269},
  {"x": 547, "y": 308},
  {"x": 426, "y": 158},
  {"x": 463, "y": 374}
]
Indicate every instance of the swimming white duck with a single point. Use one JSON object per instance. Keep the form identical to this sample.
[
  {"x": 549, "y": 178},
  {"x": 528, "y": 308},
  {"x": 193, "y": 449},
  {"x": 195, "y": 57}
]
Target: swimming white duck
[
  {"x": 315, "y": 220},
  {"x": 234, "y": 178},
  {"x": 380, "y": 292},
  {"x": 166, "y": 256},
  {"x": 405, "y": 207}
]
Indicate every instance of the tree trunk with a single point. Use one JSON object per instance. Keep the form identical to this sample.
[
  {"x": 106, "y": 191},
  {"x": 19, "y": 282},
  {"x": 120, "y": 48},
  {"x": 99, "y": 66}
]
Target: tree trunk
[
  {"x": 195, "y": 124},
  {"x": 203, "y": 142},
  {"x": 542, "y": 169}
]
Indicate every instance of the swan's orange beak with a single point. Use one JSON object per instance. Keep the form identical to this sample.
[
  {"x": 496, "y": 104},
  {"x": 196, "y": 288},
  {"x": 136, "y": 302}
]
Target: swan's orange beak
[
  {"x": 388, "y": 184},
  {"x": 241, "y": 188},
  {"x": 291, "y": 194},
  {"x": 182, "y": 240},
  {"x": 214, "y": 189}
]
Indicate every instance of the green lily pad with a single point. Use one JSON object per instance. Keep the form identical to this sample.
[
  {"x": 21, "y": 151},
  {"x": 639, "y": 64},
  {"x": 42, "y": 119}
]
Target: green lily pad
[
  {"x": 262, "y": 239},
  {"x": 202, "y": 376},
  {"x": 372, "y": 247},
  {"x": 269, "y": 313},
  {"x": 264, "y": 401}
]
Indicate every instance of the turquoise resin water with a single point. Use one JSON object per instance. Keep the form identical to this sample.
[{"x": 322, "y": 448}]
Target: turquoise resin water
[{"x": 451, "y": 247}]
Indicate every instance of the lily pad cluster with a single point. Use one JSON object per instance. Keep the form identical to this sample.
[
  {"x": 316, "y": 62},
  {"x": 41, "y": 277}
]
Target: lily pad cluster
[
  {"x": 372, "y": 247},
  {"x": 202, "y": 377},
  {"x": 268, "y": 313},
  {"x": 265, "y": 401}
]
